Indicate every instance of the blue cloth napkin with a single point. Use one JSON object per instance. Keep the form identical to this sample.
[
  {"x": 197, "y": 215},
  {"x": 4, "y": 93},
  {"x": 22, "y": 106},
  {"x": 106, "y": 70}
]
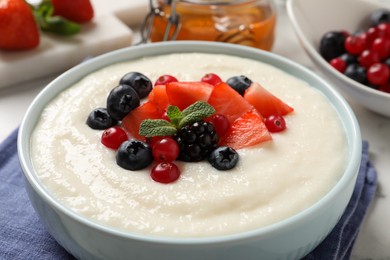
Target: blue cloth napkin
[{"x": 22, "y": 235}]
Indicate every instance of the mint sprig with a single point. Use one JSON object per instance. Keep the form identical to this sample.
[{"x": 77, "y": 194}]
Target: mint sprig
[{"x": 160, "y": 127}]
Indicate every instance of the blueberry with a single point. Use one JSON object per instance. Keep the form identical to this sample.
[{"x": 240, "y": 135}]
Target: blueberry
[
  {"x": 121, "y": 100},
  {"x": 356, "y": 72},
  {"x": 223, "y": 158},
  {"x": 349, "y": 58},
  {"x": 239, "y": 83},
  {"x": 134, "y": 155},
  {"x": 139, "y": 82},
  {"x": 100, "y": 119},
  {"x": 332, "y": 45},
  {"x": 380, "y": 16},
  {"x": 387, "y": 62}
]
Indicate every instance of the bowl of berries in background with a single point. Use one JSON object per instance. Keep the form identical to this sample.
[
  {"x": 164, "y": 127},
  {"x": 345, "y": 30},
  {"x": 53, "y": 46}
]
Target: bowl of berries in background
[
  {"x": 131, "y": 125},
  {"x": 348, "y": 41}
]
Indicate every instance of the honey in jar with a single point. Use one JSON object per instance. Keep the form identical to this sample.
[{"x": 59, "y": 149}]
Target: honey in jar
[{"x": 246, "y": 22}]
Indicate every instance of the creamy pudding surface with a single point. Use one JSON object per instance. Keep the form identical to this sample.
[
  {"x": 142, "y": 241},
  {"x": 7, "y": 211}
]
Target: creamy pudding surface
[{"x": 272, "y": 180}]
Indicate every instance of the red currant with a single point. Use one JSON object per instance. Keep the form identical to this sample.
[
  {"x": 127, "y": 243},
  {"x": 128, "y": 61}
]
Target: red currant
[
  {"x": 367, "y": 58},
  {"x": 385, "y": 87},
  {"x": 165, "y": 150},
  {"x": 165, "y": 79},
  {"x": 113, "y": 137},
  {"x": 384, "y": 30},
  {"x": 355, "y": 44},
  {"x": 378, "y": 74},
  {"x": 221, "y": 124},
  {"x": 165, "y": 172},
  {"x": 211, "y": 78},
  {"x": 370, "y": 35},
  {"x": 275, "y": 123},
  {"x": 381, "y": 46},
  {"x": 339, "y": 64}
]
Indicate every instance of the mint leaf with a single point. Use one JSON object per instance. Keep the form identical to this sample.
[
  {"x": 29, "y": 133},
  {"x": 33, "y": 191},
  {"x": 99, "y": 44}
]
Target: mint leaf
[
  {"x": 195, "y": 112},
  {"x": 174, "y": 114},
  {"x": 156, "y": 127}
]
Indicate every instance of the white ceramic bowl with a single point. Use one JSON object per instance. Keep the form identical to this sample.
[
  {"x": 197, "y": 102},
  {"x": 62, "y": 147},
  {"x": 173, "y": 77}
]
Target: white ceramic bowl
[
  {"x": 291, "y": 238},
  {"x": 311, "y": 19}
]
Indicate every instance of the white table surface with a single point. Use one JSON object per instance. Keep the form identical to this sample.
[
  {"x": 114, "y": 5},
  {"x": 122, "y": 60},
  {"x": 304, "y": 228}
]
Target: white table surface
[{"x": 374, "y": 238}]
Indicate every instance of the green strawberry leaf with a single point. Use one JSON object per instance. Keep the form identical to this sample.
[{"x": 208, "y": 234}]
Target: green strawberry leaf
[
  {"x": 43, "y": 14},
  {"x": 156, "y": 127}
]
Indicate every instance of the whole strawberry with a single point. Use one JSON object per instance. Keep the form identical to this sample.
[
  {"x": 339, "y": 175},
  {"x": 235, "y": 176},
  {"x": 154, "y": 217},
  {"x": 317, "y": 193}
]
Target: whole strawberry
[
  {"x": 18, "y": 29},
  {"x": 79, "y": 11}
]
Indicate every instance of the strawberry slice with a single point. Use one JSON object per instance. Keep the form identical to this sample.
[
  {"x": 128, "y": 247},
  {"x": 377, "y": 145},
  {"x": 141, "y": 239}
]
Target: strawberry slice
[
  {"x": 247, "y": 130},
  {"x": 228, "y": 102},
  {"x": 132, "y": 121},
  {"x": 266, "y": 103},
  {"x": 183, "y": 94},
  {"x": 159, "y": 96}
]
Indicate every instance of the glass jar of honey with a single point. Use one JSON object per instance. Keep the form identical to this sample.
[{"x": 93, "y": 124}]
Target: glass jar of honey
[{"x": 246, "y": 22}]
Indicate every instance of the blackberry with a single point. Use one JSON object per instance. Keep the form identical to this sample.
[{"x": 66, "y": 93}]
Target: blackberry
[{"x": 196, "y": 141}]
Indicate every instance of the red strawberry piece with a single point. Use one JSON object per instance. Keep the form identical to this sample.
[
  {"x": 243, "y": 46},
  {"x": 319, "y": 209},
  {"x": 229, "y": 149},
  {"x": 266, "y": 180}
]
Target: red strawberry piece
[
  {"x": 133, "y": 120},
  {"x": 183, "y": 94},
  {"x": 159, "y": 96},
  {"x": 246, "y": 131},
  {"x": 266, "y": 103},
  {"x": 18, "y": 29},
  {"x": 226, "y": 101},
  {"x": 79, "y": 11}
]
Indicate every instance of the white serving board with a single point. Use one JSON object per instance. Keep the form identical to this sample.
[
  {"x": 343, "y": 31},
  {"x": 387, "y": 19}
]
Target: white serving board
[{"x": 109, "y": 30}]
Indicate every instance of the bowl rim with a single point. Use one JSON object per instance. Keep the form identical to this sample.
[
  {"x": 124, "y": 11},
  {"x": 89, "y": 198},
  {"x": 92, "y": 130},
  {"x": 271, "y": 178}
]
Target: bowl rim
[
  {"x": 314, "y": 54},
  {"x": 76, "y": 73}
]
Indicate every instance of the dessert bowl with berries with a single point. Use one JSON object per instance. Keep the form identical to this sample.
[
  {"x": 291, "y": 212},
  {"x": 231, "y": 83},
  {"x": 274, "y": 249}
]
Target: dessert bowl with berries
[
  {"x": 189, "y": 150},
  {"x": 349, "y": 42}
]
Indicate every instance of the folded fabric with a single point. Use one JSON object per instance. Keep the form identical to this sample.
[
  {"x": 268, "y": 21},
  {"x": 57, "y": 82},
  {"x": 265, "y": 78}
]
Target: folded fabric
[{"x": 22, "y": 235}]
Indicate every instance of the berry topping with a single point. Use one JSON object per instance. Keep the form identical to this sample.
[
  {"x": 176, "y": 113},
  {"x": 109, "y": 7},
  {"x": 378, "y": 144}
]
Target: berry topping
[
  {"x": 248, "y": 130},
  {"x": 196, "y": 141},
  {"x": 223, "y": 158},
  {"x": 332, "y": 44},
  {"x": 113, "y": 137},
  {"x": 133, "y": 120},
  {"x": 221, "y": 124},
  {"x": 183, "y": 94},
  {"x": 165, "y": 79},
  {"x": 226, "y": 101},
  {"x": 165, "y": 150},
  {"x": 266, "y": 103},
  {"x": 211, "y": 78},
  {"x": 134, "y": 155},
  {"x": 239, "y": 83},
  {"x": 275, "y": 123},
  {"x": 100, "y": 119},
  {"x": 159, "y": 96},
  {"x": 121, "y": 100},
  {"x": 139, "y": 82},
  {"x": 165, "y": 172}
]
